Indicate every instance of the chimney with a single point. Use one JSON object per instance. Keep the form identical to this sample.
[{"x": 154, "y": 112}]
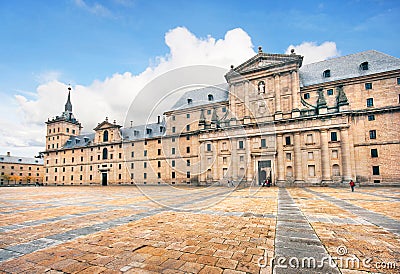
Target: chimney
[
  {"x": 158, "y": 119},
  {"x": 8, "y": 154}
]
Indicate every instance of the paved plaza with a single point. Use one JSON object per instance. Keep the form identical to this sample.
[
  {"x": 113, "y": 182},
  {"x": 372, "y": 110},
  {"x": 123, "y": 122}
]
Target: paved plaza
[{"x": 160, "y": 229}]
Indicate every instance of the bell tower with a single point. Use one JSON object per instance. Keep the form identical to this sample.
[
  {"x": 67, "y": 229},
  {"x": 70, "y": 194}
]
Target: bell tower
[{"x": 61, "y": 128}]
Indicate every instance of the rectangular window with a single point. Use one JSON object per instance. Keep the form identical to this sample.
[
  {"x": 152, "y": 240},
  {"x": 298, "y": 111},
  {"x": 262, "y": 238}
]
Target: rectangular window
[
  {"x": 372, "y": 134},
  {"x": 173, "y": 163},
  {"x": 173, "y": 117},
  {"x": 159, "y": 175},
  {"x": 188, "y": 174},
  {"x": 334, "y": 136},
  {"x": 310, "y": 139},
  {"x": 241, "y": 145},
  {"x": 208, "y": 147},
  {"x": 370, "y": 102},
  {"x": 132, "y": 165},
  {"x": 329, "y": 92},
  {"x": 306, "y": 95},
  {"x": 375, "y": 170},
  {"x": 173, "y": 139},
  {"x": 241, "y": 158},
  {"x": 187, "y": 127},
  {"x": 145, "y": 152},
  {"x": 145, "y": 165},
  {"x": 368, "y": 85},
  {"x": 371, "y": 117},
  {"x": 187, "y": 149},
  {"x": 224, "y": 160},
  {"x": 187, "y": 162},
  {"x": 173, "y": 175},
  {"x": 159, "y": 151},
  {"x": 289, "y": 156},
  {"x": 173, "y": 151},
  {"x": 159, "y": 164},
  {"x": 311, "y": 171},
  {"x": 144, "y": 175},
  {"x": 208, "y": 111},
  {"x": 120, "y": 155},
  {"x": 287, "y": 140},
  {"x": 173, "y": 129},
  {"x": 223, "y": 109},
  {"x": 188, "y": 137},
  {"x": 188, "y": 115},
  {"x": 398, "y": 81},
  {"x": 263, "y": 143},
  {"x": 310, "y": 155},
  {"x": 374, "y": 153}
]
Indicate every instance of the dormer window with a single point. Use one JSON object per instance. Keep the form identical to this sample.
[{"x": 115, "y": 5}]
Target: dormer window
[
  {"x": 68, "y": 142},
  {"x": 161, "y": 129},
  {"x": 210, "y": 97},
  {"x": 327, "y": 73},
  {"x": 135, "y": 133},
  {"x": 189, "y": 101},
  {"x": 86, "y": 139},
  {"x": 148, "y": 130},
  {"x": 19, "y": 160},
  {"x": 77, "y": 141},
  {"x": 364, "y": 66}
]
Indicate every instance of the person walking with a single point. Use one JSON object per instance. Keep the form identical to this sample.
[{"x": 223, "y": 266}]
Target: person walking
[{"x": 352, "y": 185}]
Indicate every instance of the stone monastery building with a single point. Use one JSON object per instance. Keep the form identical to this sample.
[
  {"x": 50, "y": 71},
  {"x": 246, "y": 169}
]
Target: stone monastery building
[{"x": 318, "y": 124}]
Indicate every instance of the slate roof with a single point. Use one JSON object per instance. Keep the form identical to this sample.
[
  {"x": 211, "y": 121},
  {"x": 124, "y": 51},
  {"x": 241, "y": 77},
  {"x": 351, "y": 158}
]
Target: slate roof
[
  {"x": 82, "y": 140},
  {"x": 200, "y": 96},
  {"x": 347, "y": 67},
  {"x": 141, "y": 131},
  {"x": 20, "y": 160},
  {"x": 128, "y": 134}
]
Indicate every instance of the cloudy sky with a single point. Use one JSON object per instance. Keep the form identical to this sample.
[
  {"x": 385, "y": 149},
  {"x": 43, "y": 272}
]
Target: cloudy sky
[{"x": 108, "y": 50}]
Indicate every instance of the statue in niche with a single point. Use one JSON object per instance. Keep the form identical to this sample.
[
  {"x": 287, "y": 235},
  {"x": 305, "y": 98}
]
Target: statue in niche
[{"x": 261, "y": 87}]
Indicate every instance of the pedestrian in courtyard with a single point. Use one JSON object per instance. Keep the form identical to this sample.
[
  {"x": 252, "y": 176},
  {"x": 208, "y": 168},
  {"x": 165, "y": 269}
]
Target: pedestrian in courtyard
[{"x": 352, "y": 185}]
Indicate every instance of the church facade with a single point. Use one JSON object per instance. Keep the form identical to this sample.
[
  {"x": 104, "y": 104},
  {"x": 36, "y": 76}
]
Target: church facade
[{"x": 318, "y": 124}]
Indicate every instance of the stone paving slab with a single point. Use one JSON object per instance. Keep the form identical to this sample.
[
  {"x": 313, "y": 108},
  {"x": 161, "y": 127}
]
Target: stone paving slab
[{"x": 190, "y": 230}]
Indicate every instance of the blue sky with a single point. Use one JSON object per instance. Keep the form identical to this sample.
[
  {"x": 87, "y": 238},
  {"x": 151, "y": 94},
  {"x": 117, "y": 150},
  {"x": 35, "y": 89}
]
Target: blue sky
[
  {"x": 96, "y": 45},
  {"x": 83, "y": 43}
]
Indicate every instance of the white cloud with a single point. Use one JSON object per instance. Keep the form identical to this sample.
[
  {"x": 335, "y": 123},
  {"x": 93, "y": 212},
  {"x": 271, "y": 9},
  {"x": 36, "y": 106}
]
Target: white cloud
[
  {"x": 112, "y": 96},
  {"x": 96, "y": 8},
  {"x": 313, "y": 52}
]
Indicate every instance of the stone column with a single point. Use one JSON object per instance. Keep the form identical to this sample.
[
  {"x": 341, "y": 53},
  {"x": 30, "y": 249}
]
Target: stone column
[
  {"x": 280, "y": 159},
  {"x": 294, "y": 85},
  {"x": 277, "y": 89},
  {"x": 344, "y": 146},
  {"x": 247, "y": 115},
  {"x": 203, "y": 164},
  {"x": 298, "y": 168},
  {"x": 325, "y": 163}
]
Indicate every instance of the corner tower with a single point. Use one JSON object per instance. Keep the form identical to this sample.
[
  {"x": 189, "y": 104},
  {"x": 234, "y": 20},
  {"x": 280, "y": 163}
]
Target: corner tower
[{"x": 61, "y": 128}]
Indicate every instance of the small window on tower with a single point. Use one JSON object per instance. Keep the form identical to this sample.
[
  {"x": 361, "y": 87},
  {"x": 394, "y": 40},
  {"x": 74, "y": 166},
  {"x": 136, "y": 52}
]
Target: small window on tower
[{"x": 327, "y": 73}]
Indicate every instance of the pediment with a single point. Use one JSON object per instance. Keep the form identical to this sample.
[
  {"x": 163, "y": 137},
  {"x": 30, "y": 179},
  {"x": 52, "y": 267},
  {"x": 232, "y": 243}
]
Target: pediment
[
  {"x": 265, "y": 61},
  {"x": 106, "y": 125}
]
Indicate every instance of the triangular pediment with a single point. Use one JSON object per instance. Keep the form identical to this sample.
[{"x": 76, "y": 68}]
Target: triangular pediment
[
  {"x": 265, "y": 61},
  {"x": 106, "y": 125}
]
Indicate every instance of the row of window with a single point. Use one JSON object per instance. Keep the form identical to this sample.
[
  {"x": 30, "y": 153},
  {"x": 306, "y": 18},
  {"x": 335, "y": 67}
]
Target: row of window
[
  {"x": 21, "y": 174},
  {"x": 58, "y": 130},
  {"x": 21, "y": 168}
]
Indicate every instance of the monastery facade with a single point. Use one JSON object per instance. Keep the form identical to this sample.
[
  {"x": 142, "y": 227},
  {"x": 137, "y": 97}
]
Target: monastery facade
[{"x": 318, "y": 124}]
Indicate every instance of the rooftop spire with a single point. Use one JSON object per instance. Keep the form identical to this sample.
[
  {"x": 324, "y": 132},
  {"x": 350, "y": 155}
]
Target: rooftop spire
[{"x": 68, "y": 105}]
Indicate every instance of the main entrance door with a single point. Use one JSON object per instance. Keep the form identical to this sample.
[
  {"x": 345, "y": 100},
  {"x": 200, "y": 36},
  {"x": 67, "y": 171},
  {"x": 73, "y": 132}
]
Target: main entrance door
[
  {"x": 264, "y": 171},
  {"x": 104, "y": 178}
]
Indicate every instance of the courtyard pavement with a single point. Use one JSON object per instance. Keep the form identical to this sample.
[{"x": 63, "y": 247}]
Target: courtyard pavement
[{"x": 160, "y": 229}]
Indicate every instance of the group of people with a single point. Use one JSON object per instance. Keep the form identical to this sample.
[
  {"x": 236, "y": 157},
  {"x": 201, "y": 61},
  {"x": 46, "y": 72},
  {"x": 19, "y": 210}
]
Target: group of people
[{"x": 267, "y": 183}]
